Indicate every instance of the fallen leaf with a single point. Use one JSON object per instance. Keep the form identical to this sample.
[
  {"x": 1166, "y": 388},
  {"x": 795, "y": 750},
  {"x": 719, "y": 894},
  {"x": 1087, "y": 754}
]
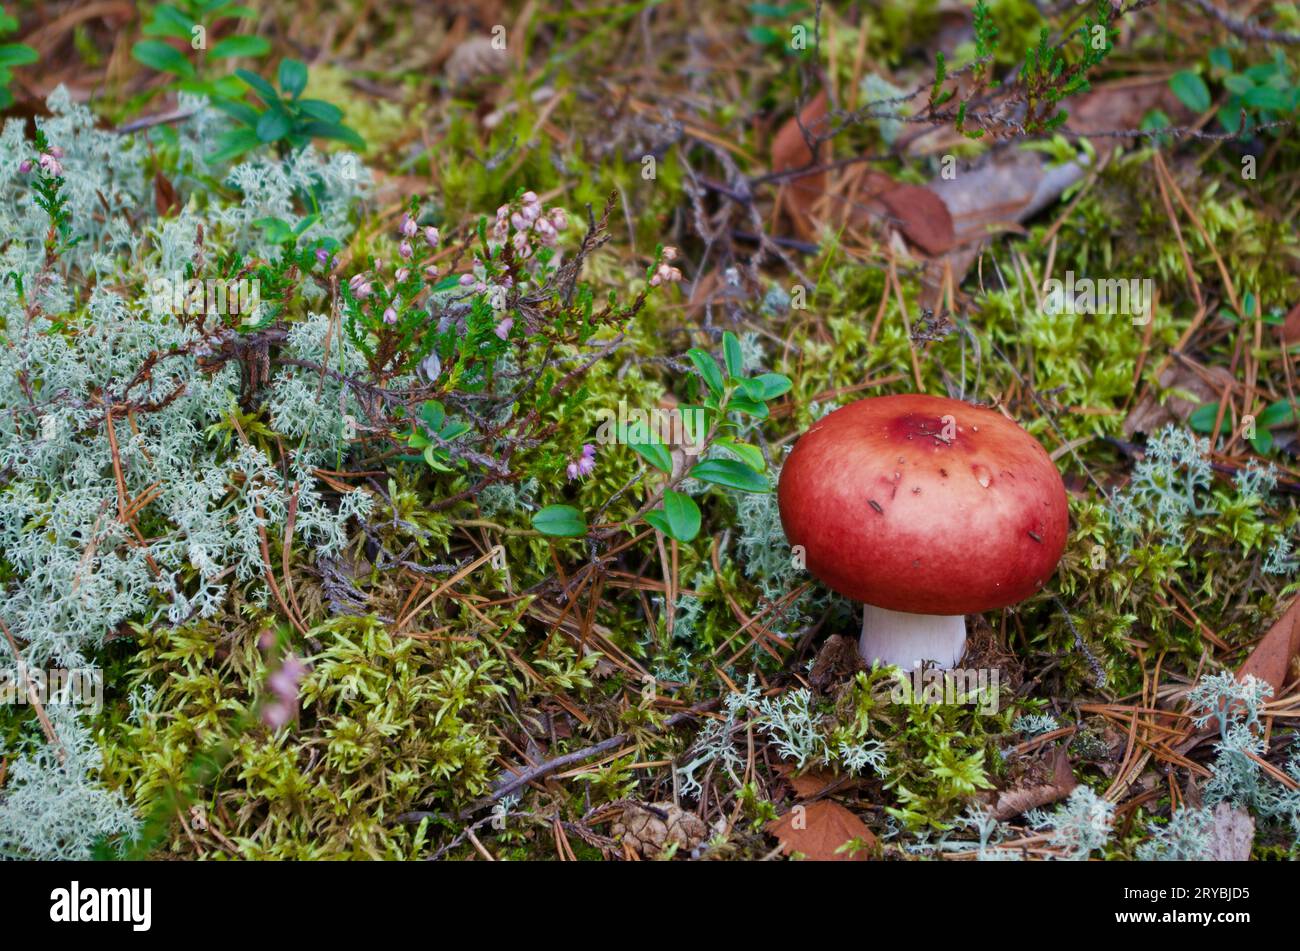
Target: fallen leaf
[
  {"x": 922, "y": 216},
  {"x": 1149, "y": 415},
  {"x": 790, "y": 151},
  {"x": 1291, "y": 326},
  {"x": 1232, "y": 835},
  {"x": 819, "y": 829},
  {"x": 165, "y": 199},
  {"x": 806, "y": 784},
  {"x": 1013, "y": 802},
  {"x": 1270, "y": 661}
]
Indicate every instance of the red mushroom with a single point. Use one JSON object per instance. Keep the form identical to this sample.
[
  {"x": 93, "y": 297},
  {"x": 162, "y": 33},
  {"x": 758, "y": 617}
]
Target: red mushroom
[{"x": 925, "y": 509}]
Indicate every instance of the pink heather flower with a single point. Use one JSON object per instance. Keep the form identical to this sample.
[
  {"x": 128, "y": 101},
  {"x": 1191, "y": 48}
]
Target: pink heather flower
[
  {"x": 322, "y": 256},
  {"x": 584, "y": 465},
  {"x": 390, "y": 315},
  {"x": 55, "y": 151},
  {"x": 431, "y": 236},
  {"x": 405, "y": 250},
  {"x": 360, "y": 286},
  {"x": 25, "y": 166},
  {"x": 402, "y": 274},
  {"x": 559, "y": 219},
  {"x": 284, "y": 682},
  {"x": 408, "y": 226},
  {"x": 530, "y": 198},
  {"x": 519, "y": 221},
  {"x": 503, "y": 328},
  {"x": 670, "y": 253},
  {"x": 283, "y": 685},
  {"x": 50, "y": 165},
  {"x": 431, "y": 272},
  {"x": 466, "y": 280},
  {"x": 546, "y": 229},
  {"x": 531, "y": 213},
  {"x": 522, "y": 247},
  {"x": 503, "y": 213}
]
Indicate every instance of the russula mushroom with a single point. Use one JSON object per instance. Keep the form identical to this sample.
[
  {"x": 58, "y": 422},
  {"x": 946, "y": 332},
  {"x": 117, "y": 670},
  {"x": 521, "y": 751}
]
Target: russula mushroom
[{"x": 925, "y": 509}]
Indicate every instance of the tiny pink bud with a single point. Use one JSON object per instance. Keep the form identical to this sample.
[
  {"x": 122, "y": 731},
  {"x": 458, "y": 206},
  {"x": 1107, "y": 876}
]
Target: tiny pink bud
[
  {"x": 431, "y": 236},
  {"x": 405, "y": 250},
  {"x": 390, "y": 315}
]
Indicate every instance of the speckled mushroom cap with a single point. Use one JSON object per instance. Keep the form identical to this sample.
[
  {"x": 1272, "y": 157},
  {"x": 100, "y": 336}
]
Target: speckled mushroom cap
[{"x": 924, "y": 504}]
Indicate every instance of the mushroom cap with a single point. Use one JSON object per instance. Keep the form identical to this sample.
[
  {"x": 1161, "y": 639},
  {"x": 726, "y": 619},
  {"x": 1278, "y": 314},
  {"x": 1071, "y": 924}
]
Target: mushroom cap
[{"x": 924, "y": 504}]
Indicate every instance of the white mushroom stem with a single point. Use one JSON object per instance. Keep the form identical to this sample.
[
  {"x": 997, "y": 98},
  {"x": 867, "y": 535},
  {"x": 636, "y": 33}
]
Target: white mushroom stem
[{"x": 907, "y": 640}]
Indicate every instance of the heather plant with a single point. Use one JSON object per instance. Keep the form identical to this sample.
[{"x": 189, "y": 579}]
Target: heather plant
[{"x": 314, "y": 461}]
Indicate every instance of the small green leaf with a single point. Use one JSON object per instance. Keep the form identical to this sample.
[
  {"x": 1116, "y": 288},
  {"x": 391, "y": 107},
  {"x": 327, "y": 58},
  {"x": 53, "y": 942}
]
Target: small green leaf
[
  {"x": 293, "y": 76},
  {"x": 1221, "y": 58},
  {"x": 1202, "y": 420},
  {"x": 749, "y": 454},
  {"x": 236, "y": 46},
  {"x": 433, "y": 414},
  {"x": 17, "y": 54},
  {"x": 241, "y": 112},
  {"x": 168, "y": 21},
  {"x": 273, "y": 126},
  {"x": 1276, "y": 414},
  {"x": 563, "y": 521},
  {"x": 739, "y": 404},
  {"x": 708, "y": 368},
  {"x": 679, "y": 518},
  {"x": 654, "y": 453},
  {"x": 157, "y": 55},
  {"x": 772, "y": 385},
  {"x": 732, "y": 474},
  {"x": 320, "y": 109},
  {"x": 1266, "y": 97},
  {"x": 277, "y": 230},
  {"x": 731, "y": 354},
  {"x": 1190, "y": 90},
  {"x": 333, "y": 130},
  {"x": 1238, "y": 84},
  {"x": 1262, "y": 442},
  {"x": 265, "y": 91},
  {"x": 233, "y": 144}
]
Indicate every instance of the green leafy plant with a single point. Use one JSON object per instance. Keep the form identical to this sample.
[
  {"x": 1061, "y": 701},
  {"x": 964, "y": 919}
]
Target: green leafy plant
[
  {"x": 190, "y": 21},
  {"x": 11, "y": 54},
  {"x": 286, "y": 120},
  {"x": 1260, "y": 94}
]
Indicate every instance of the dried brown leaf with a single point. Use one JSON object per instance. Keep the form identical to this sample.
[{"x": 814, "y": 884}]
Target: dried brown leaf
[{"x": 819, "y": 829}]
